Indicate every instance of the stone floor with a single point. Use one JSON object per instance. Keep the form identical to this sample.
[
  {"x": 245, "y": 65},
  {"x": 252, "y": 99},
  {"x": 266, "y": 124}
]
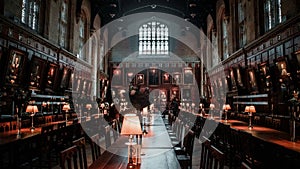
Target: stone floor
[{"x": 195, "y": 160}]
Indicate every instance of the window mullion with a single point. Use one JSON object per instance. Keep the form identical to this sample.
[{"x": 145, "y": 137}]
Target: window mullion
[{"x": 153, "y": 39}]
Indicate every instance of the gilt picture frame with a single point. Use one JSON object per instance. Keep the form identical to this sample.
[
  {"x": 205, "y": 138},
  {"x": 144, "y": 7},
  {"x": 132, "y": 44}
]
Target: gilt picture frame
[{"x": 16, "y": 65}]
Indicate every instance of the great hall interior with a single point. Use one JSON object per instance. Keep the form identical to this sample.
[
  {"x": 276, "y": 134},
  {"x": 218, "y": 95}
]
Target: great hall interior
[{"x": 163, "y": 84}]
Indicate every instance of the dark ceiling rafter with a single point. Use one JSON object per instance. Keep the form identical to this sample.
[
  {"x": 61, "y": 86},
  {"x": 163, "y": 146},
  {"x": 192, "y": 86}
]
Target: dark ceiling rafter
[
  {"x": 214, "y": 16},
  {"x": 157, "y": 8},
  {"x": 227, "y": 9},
  {"x": 78, "y": 9},
  {"x": 94, "y": 12},
  {"x": 194, "y": 11}
]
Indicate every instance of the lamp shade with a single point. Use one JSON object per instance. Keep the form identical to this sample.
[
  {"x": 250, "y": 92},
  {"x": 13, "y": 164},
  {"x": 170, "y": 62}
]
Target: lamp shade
[
  {"x": 66, "y": 107},
  {"x": 88, "y": 106},
  {"x": 250, "y": 109},
  {"x": 131, "y": 126},
  {"x": 226, "y": 107},
  {"x": 200, "y": 105},
  {"x": 32, "y": 109},
  {"x": 211, "y": 106}
]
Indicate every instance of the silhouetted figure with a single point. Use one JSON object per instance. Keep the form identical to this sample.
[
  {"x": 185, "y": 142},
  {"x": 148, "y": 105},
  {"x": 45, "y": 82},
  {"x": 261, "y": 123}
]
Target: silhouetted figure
[{"x": 175, "y": 106}]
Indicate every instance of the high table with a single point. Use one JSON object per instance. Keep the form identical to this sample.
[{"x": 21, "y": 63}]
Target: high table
[{"x": 156, "y": 152}]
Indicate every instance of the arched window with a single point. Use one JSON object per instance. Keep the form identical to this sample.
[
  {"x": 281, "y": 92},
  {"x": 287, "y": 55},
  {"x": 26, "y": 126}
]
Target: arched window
[
  {"x": 30, "y": 13},
  {"x": 82, "y": 36},
  {"x": 272, "y": 13},
  {"x": 154, "y": 39},
  {"x": 242, "y": 23},
  {"x": 63, "y": 24},
  {"x": 224, "y": 24}
]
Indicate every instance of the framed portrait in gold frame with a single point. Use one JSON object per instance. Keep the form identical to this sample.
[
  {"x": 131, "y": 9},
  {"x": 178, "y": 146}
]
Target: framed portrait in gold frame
[
  {"x": 51, "y": 77},
  {"x": 188, "y": 76},
  {"x": 139, "y": 79},
  {"x": 177, "y": 78},
  {"x": 153, "y": 77},
  {"x": 37, "y": 67},
  {"x": 16, "y": 65},
  {"x": 166, "y": 78}
]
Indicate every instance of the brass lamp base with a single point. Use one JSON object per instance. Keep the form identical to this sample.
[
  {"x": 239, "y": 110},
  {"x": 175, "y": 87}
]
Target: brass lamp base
[{"x": 132, "y": 166}]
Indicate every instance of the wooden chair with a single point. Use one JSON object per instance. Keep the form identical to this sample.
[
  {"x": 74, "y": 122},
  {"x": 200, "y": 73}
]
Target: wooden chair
[
  {"x": 204, "y": 153},
  {"x": 48, "y": 119},
  {"x": 116, "y": 129},
  {"x": 175, "y": 127},
  {"x": 236, "y": 150},
  {"x": 61, "y": 125},
  {"x": 4, "y": 126},
  {"x": 185, "y": 158},
  {"x": 176, "y": 140},
  {"x": 247, "y": 150},
  {"x": 47, "y": 156},
  {"x": 60, "y": 117},
  {"x": 39, "y": 120},
  {"x": 13, "y": 125},
  {"x": 54, "y": 118},
  {"x": 107, "y": 136},
  {"x": 217, "y": 158},
  {"x": 245, "y": 166},
  {"x": 62, "y": 139},
  {"x": 47, "y": 129},
  {"x": 180, "y": 146},
  {"x": 80, "y": 144},
  {"x": 69, "y": 157},
  {"x": 95, "y": 148},
  {"x": 211, "y": 157}
]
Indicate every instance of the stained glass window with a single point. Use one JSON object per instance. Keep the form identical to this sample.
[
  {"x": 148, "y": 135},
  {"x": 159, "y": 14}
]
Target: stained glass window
[{"x": 153, "y": 39}]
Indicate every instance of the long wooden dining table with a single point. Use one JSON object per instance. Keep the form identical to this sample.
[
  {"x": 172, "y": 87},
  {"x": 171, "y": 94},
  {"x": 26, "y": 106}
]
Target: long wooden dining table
[
  {"x": 266, "y": 134},
  {"x": 263, "y": 133},
  {"x": 25, "y": 133},
  {"x": 156, "y": 150}
]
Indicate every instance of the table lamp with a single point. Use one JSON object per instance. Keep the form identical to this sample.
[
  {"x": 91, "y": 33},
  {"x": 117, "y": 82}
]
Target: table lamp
[
  {"x": 226, "y": 107},
  {"x": 250, "y": 110},
  {"x": 211, "y": 107},
  {"x": 66, "y": 108},
  {"x": 131, "y": 126},
  {"x": 201, "y": 105},
  {"x": 32, "y": 109},
  {"x": 88, "y": 106}
]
